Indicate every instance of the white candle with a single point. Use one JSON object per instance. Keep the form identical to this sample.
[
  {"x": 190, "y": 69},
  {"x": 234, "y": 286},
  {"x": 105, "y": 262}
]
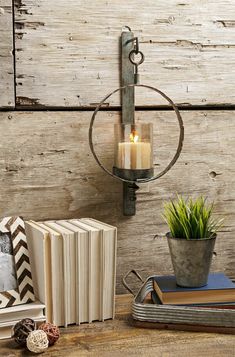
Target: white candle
[{"x": 134, "y": 155}]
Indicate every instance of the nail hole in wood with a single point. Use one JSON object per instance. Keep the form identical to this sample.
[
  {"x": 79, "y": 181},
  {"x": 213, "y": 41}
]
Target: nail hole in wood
[{"x": 212, "y": 174}]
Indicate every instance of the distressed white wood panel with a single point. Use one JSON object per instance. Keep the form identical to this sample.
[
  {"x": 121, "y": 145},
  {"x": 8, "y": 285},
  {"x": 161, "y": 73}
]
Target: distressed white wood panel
[
  {"x": 48, "y": 172},
  {"x": 7, "y": 97},
  {"x": 68, "y": 51}
]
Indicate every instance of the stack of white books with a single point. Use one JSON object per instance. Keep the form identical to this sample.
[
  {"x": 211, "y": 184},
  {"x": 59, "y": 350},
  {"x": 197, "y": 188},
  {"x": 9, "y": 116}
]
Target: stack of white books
[
  {"x": 73, "y": 266},
  {"x": 9, "y": 316}
]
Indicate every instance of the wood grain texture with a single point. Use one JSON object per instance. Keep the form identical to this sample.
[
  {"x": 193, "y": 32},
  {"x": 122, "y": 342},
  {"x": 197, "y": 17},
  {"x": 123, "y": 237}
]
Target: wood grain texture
[
  {"x": 67, "y": 53},
  {"x": 119, "y": 338},
  {"x": 48, "y": 172},
  {"x": 7, "y": 96}
]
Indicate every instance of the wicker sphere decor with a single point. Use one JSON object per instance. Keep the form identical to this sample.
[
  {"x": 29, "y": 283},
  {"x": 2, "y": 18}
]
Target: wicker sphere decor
[
  {"x": 22, "y": 329},
  {"x": 37, "y": 341},
  {"x": 52, "y": 331}
]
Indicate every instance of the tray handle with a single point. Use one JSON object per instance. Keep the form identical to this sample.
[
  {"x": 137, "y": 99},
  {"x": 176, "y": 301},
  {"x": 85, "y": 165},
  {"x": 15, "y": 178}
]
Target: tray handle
[{"x": 124, "y": 282}]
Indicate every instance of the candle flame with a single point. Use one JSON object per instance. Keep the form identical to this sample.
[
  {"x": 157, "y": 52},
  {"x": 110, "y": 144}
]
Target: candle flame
[{"x": 134, "y": 137}]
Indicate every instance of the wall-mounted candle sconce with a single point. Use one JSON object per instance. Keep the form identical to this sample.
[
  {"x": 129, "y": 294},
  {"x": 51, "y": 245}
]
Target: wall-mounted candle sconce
[{"x": 133, "y": 157}]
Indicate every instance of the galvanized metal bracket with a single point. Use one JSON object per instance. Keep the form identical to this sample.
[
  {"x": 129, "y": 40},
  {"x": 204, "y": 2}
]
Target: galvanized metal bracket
[
  {"x": 127, "y": 77},
  {"x": 128, "y": 112}
]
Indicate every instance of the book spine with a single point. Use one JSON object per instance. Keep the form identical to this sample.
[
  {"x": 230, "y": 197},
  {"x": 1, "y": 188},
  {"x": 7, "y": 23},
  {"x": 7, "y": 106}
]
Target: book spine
[
  {"x": 48, "y": 279},
  {"x": 87, "y": 278},
  {"x": 114, "y": 257},
  {"x": 66, "y": 289},
  {"x": 55, "y": 286},
  {"x": 78, "y": 279},
  {"x": 90, "y": 276},
  {"x": 102, "y": 274}
]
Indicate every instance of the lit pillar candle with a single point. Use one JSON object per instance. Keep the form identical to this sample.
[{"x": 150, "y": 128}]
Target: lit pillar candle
[{"x": 135, "y": 155}]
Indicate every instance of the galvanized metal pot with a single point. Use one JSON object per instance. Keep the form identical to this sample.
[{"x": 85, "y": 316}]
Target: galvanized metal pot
[{"x": 191, "y": 259}]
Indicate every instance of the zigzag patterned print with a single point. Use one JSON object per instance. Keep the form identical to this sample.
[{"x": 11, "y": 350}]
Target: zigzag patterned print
[{"x": 24, "y": 293}]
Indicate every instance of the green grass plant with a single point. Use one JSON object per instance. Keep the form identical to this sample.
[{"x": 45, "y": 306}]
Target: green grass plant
[{"x": 191, "y": 218}]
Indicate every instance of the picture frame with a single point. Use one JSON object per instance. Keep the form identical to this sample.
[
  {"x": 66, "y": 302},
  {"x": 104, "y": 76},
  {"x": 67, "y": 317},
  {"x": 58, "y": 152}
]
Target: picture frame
[{"x": 15, "y": 272}]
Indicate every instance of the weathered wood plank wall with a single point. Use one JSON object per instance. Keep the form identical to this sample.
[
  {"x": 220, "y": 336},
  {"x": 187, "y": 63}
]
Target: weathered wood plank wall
[
  {"x": 48, "y": 172},
  {"x": 189, "y": 48},
  {"x": 7, "y": 96},
  {"x": 67, "y": 55}
]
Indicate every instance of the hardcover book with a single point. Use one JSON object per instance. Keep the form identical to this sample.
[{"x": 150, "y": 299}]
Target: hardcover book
[
  {"x": 59, "y": 315},
  {"x": 216, "y": 305},
  {"x": 39, "y": 246},
  {"x": 94, "y": 270},
  {"x": 81, "y": 268},
  {"x": 220, "y": 289},
  {"x": 108, "y": 251}
]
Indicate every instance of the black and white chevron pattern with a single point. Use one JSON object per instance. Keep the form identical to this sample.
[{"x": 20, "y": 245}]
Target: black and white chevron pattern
[{"x": 24, "y": 293}]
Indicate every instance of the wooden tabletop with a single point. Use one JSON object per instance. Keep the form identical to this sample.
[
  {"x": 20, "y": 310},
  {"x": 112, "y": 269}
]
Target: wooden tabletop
[{"x": 120, "y": 338}]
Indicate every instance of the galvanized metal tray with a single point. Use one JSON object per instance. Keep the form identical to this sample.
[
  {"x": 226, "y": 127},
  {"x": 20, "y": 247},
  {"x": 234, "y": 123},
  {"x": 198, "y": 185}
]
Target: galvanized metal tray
[{"x": 172, "y": 314}]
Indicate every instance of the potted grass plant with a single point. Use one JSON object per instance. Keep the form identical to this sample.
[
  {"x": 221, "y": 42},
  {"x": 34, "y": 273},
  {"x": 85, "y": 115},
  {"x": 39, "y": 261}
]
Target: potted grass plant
[{"x": 191, "y": 239}]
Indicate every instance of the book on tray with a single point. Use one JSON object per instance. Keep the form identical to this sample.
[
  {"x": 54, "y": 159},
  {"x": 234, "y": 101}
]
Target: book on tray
[
  {"x": 73, "y": 266},
  {"x": 219, "y": 292}
]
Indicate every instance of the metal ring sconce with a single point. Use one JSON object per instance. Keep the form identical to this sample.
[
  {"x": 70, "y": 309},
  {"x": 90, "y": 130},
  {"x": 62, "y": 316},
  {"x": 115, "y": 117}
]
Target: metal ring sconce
[{"x": 180, "y": 141}]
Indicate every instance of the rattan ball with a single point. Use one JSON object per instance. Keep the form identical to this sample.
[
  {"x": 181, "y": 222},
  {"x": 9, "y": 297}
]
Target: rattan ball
[
  {"x": 52, "y": 331},
  {"x": 37, "y": 341},
  {"x": 22, "y": 329}
]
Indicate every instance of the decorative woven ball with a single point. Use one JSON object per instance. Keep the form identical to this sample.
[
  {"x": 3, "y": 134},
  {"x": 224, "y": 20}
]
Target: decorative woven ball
[
  {"x": 37, "y": 341},
  {"x": 22, "y": 329},
  {"x": 52, "y": 331}
]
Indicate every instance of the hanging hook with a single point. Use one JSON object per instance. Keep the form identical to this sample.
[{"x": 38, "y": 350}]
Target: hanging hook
[
  {"x": 136, "y": 63},
  {"x": 126, "y": 27},
  {"x": 131, "y": 58},
  {"x": 136, "y": 45},
  {"x": 135, "y": 51}
]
